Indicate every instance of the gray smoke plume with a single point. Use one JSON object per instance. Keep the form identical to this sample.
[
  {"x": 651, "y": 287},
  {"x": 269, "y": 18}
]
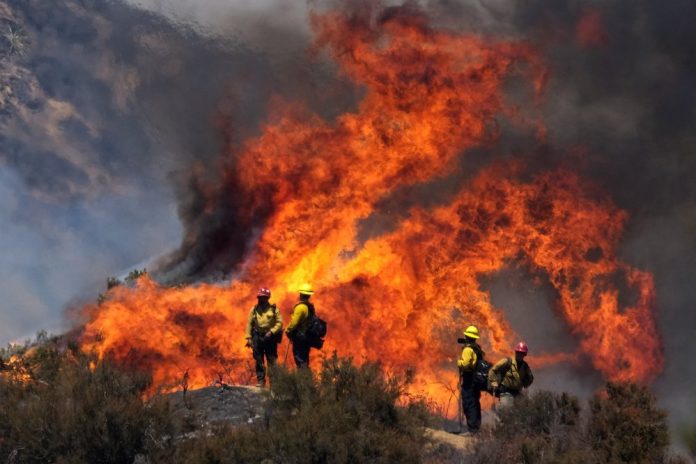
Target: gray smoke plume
[
  {"x": 619, "y": 109},
  {"x": 106, "y": 110}
]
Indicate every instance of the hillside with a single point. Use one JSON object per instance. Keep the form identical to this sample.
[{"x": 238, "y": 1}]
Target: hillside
[{"x": 60, "y": 405}]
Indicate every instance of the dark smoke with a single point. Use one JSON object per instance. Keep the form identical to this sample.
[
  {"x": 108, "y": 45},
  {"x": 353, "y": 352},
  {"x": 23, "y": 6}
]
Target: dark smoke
[
  {"x": 102, "y": 107},
  {"x": 109, "y": 119},
  {"x": 620, "y": 109}
]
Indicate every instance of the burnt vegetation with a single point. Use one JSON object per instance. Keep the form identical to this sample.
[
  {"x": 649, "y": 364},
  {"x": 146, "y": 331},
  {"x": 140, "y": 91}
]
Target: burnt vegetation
[{"x": 58, "y": 404}]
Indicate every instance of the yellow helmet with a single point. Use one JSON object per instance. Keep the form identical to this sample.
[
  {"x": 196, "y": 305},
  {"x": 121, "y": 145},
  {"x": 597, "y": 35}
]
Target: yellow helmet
[
  {"x": 306, "y": 289},
  {"x": 471, "y": 332}
]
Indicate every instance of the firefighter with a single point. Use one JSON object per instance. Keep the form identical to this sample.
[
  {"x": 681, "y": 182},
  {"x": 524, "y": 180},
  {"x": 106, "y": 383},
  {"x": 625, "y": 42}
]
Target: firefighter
[
  {"x": 509, "y": 376},
  {"x": 263, "y": 333},
  {"x": 298, "y": 325},
  {"x": 470, "y": 393}
]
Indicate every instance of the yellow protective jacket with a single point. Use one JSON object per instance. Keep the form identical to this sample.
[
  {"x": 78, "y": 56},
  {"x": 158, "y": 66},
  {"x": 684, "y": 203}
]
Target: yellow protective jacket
[
  {"x": 300, "y": 316},
  {"x": 264, "y": 319},
  {"x": 467, "y": 361},
  {"x": 510, "y": 374}
]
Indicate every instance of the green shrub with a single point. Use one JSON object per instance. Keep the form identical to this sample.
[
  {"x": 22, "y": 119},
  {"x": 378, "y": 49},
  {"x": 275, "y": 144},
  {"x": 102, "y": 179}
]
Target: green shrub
[
  {"x": 623, "y": 425},
  {"x": 688, "y": 434},
  {"x": 75, "y": 409},
  {"x": 64, "y": 406},
  {"x": 542, "y": 428},
  {"x": 543, "y": 413},
  {"x": 626, "y": 426}
]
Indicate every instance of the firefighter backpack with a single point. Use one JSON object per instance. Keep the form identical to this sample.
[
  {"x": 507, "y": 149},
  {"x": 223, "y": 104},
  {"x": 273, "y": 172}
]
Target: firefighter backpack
[
  {"x": 481, "y": 370},
  {"x": 316, "y": 328}
]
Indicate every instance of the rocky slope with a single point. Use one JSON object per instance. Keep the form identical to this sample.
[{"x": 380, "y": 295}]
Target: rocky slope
[
  {"x": 240, "y": 406},
  {"x": 232, "y": 405}
]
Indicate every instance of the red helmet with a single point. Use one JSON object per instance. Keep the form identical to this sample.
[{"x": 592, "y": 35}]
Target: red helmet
[
  {"x": 264, "y": 293},
  {"x": 521, "y": 348}
]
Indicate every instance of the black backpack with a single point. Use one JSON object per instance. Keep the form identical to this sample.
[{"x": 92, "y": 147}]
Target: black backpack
[
  {"x": 316, "y": 328},
  {"x": 480, "y": 381}
]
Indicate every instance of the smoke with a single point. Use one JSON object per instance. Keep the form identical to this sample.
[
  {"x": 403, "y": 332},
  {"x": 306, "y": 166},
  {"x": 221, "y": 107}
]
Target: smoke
[
  {"x": 619, "y": 109},
  {"x": 89, "y": 134},
  {"x": 101, "y": 120}
]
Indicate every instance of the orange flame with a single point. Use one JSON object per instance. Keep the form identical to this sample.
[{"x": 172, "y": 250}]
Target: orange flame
[
  {"x": 403, "y": 297},
  {"x": 18, "y": 368}
]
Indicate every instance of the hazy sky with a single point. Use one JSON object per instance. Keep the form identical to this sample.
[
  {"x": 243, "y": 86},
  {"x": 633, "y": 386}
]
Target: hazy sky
[{"x": 52, "y": 253}]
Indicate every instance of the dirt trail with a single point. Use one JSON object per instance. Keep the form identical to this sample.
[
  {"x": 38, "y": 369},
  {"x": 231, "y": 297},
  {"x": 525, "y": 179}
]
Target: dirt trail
[{"x": 459, "y": 442}]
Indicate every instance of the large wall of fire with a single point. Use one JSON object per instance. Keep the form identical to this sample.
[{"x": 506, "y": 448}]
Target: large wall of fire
[{"x": 401, "y": 297}]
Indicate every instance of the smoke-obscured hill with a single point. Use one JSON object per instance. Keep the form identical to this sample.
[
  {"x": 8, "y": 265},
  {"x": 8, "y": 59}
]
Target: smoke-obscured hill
[{"x": 100, "y": 95}]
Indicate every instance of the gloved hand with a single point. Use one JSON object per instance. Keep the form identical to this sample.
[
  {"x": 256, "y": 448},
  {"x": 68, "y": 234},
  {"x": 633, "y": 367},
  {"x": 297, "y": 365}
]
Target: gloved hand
[
  {"x": 268, "y": 335},
  {"x": 248, "y": 343}
]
